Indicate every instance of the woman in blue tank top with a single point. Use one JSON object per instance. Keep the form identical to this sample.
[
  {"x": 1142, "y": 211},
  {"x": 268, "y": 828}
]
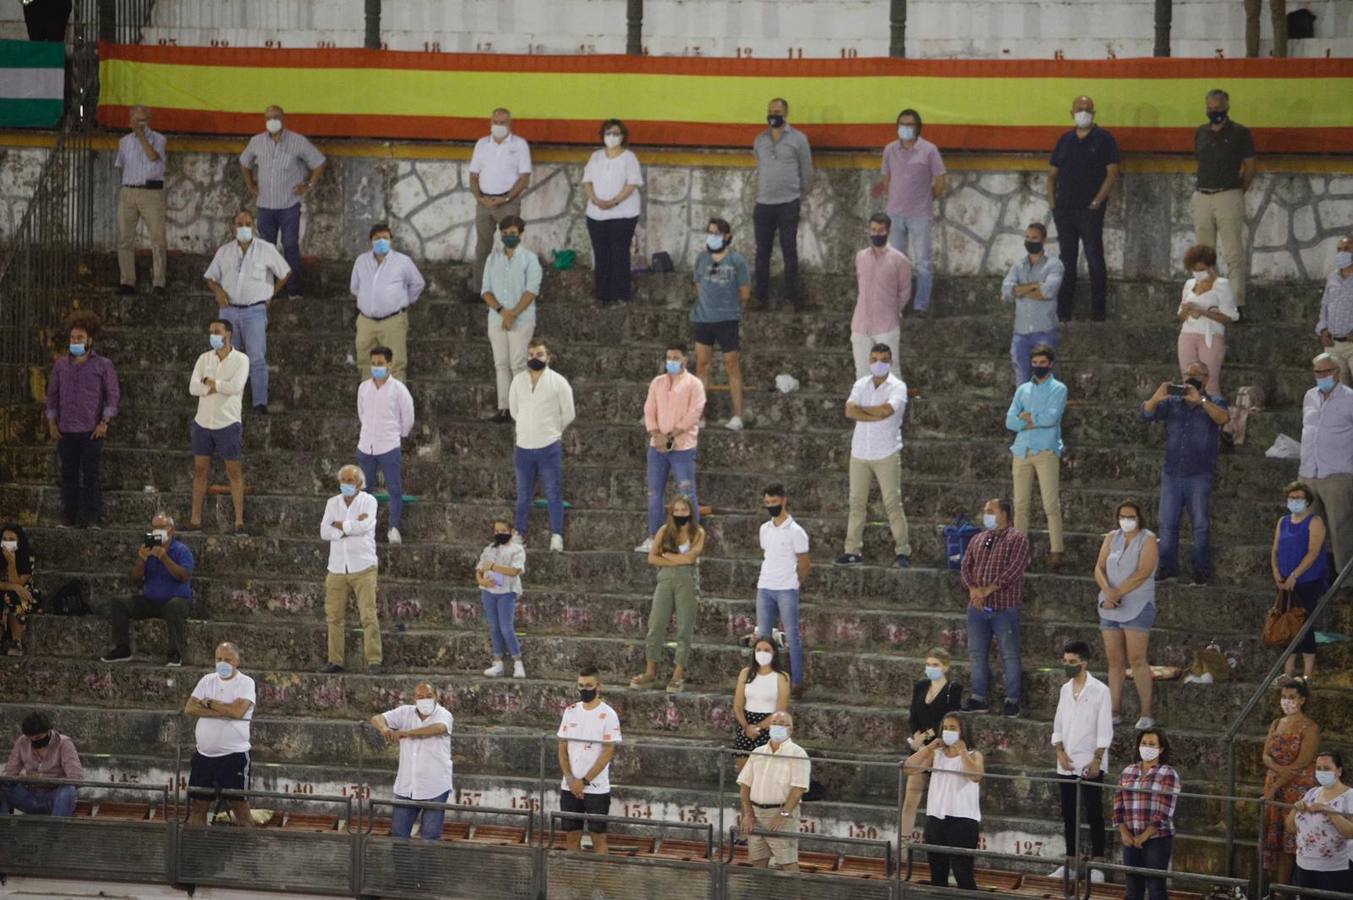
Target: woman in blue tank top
[{"x": 1300, "y": 564}]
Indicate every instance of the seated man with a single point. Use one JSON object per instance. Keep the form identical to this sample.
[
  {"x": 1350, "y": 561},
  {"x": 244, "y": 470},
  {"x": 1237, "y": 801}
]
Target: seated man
[
  {"x": 42, "y": 752},
  {"x": 164, "y": 567}
]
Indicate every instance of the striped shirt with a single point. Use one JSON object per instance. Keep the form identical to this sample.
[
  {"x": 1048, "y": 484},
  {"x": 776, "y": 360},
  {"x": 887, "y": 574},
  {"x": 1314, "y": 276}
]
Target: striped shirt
[
  {"x": 282, "y": 164},
  {"x": 136, "y": 167},
  {"x": 248, "y": 276},
  {"x": 384, "y": 288},
  {"x": 999, "y": 558},
  {"x": 1336, "y": 306}
]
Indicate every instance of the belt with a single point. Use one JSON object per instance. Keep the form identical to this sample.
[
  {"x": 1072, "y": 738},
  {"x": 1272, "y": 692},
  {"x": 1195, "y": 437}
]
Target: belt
[
  {"x": 148, "y": 186},
  {"x": 1343, "y": 339},
  {"x": 383, "y": 318},
  {"x": 768, "y": 805},
  {"x": 247, "y": 305},
  {"x": 1216, "y": 190},
  {"x": 503, "y": 194}
]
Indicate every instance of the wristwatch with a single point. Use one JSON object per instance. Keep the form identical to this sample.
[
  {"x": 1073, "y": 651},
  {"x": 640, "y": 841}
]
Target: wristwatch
[{"x": 784, "y": 813}]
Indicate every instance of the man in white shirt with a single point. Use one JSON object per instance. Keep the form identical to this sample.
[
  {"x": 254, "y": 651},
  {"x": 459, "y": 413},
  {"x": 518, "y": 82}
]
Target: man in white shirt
[
  {"x": 349, "y": 525},
  {"x": 1082, "y": 730},
  {"x": 385, "y": 411},
  {"x": 771, "y": 785},
  {"x": 246, "y": 275},
  {"x": 500, "y": 172},
  {"x": 140, "y": 159},
  {"x": 422, "y": 730},
  {"x": 876, "y": 405},
  {"x": 386, "y": 283},
  {"x": 223, "y": 704},
  {"x": 218, "y": 383},
  {"x": 784, "y": 566},
  {"x": 541, "y": 403},
  {"x": 588, "y": 734}
]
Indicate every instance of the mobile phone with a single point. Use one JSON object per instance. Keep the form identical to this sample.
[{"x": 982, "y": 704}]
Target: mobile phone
[{"x": 1177, "y": 390}]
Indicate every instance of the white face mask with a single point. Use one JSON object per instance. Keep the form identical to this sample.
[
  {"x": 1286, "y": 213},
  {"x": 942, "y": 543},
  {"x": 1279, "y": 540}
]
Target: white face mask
[
  {"x": 244, "y": 234},
  {"x": 162, "y": 535},
  {"x": 906, "y": 132},
  {"x": 11, "y": 546},
  {"x": 425, "y": 705},
  {"x": 1149, "y": 754},
  {"x": 950, "y": 738},
  {"x": 1084, "y": 119},
  {"x": 764, "y": 657},
  {"x": 1128, "y": 525},
  {"x": 273, "y": 125},
  {"x": 1204, "y": 275},
  {"x": 613, "y": 140},
  {"x": 498, "y": 131}
]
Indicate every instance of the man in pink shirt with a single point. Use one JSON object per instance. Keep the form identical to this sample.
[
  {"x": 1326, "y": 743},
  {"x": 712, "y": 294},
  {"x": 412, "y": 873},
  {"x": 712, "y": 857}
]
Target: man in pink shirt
[
  {"x": 913, "y": 179},
  {"x": 672, "y": 413},
  {"x": 385, "y": 410},
  {"x": 884, "y": 278}
]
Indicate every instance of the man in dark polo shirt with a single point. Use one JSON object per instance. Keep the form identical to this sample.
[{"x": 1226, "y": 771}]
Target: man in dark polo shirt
[
  {"x": 1084, "y": 168},
  {"x": 164, "y": 569},
  {"x": 1225, "y": 154}
]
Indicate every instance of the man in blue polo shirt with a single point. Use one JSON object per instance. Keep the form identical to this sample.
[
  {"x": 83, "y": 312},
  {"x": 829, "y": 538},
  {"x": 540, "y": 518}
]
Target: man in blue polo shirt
[
  {"x": 164, "y": 568},
  {"x": 1084, "y": 166}
]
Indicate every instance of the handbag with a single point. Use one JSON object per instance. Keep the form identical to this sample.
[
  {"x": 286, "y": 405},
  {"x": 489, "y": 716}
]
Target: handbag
[
  {"x": 956, "y": 538},
  {"x": 1284, "y": 620}
]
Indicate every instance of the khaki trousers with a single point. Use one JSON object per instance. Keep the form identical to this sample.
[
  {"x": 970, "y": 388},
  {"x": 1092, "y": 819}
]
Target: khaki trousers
[
  {"x": 1277, "y": 10},
  {"x": 1047, "y": 465},
  {"x": 888, "y": 473},
  {"x": 1334, "y": 503},
  {"x": 1343, "y": 351},
  {"x": 393, "y": 333},
  {"x": 1222, "y": 215},
  {"x": 148, "y": 205},
  {"x": 336, "y": 590},
  {"x": 485, "y": 226}
]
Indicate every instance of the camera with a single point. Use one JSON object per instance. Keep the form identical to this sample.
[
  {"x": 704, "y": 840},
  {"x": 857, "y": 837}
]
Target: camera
[
  {"x": 1177, "y": 390},
  {"x": 152, "y": 539}
]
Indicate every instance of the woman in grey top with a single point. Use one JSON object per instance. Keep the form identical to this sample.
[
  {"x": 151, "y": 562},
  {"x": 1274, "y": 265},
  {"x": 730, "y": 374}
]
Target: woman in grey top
[{"x": 1126, "y": 575}]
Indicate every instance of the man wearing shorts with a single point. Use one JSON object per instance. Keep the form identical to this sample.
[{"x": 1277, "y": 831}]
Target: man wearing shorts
[
  {"x": 587, "y": 738},
  {"x": 723, "y": 284},
  {"x": 218, "y": 383},
  {"x": 223, "y": 704},
  {"x": 771, "y": 785}
]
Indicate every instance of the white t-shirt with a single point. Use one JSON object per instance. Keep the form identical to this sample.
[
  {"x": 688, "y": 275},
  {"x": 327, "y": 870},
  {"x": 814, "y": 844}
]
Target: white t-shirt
[
  {"x": 591, "y": 728},
  {"x": 782, "y": 545},
  {"x": 221, "y": 737},
  {"x": 424, "y": 762},
  {"x": 609, "y": 177},
  {"x": 1320, "y": 846}
]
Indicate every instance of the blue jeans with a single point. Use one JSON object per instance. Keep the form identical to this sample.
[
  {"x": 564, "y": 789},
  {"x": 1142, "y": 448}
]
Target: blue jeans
[
  {"x": 1021, "y": 345},
  {"x": 499, "y": 612},
  {"x": 1177, "y": 494},
  {"x": 249, "y": 332},
  {"x": 680, "y": 465},
  {"x": 36, "y": 801},
  {"x": 1004, "y": 624},
  {"x": 548, "y": 463},
  {"x": 919, "y": 232},
  {"x": 403, "y": 817},
  {"x": 1154, "y": 855},
  {"x": 390, "y": 464},
  {"x": 786, "y": 603},
  {"x": 289, "y": 221}
]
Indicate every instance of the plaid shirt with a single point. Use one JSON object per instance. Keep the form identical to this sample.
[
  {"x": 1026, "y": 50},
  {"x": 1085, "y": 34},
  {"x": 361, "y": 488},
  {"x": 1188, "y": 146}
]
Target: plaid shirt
[
  {"x": 999, "y": 558},
  {"x": 1139, "y": 811}
]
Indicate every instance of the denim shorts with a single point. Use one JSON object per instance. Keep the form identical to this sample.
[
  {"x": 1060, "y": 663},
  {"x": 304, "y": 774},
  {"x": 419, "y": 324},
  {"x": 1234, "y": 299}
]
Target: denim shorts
[
  {"x": 1141, "y": 622},
  {"x": 223, "y": 442}
]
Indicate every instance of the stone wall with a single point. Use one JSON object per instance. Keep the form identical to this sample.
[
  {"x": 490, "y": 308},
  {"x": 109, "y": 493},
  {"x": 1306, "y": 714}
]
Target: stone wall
[{"x": 19, "y": 168}]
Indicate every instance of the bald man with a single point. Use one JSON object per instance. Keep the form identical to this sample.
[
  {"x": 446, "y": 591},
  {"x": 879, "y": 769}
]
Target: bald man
[
  {"x": 223, "y": 704},
  {"x": 140, "y": 159},
  {"x": 422, "y": 730},
  {"x": 1084, "y": 166},
  {"x": 349, "y": 525},
  {"x": 771, "y": 784}
]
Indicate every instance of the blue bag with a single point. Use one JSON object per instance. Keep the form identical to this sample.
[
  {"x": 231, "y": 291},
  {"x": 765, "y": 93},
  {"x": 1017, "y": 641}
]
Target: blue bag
[{"x": 956, "y": 538}]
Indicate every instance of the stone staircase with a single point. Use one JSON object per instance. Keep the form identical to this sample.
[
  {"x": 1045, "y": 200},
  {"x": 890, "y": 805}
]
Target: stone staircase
[{"x": 866, "y": 628}]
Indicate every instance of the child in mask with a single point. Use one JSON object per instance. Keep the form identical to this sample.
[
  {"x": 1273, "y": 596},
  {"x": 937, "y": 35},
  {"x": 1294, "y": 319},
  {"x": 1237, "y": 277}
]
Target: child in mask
[{"x": 498, "y": 574}]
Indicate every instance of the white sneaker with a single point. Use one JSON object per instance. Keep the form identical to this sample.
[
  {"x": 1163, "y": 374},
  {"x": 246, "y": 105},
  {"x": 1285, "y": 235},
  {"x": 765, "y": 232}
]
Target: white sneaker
[
  {"x": 645, "y": 547},
  {"x": 1059, "y": 872},
  {"x": 495, "y": 670},
  {"x": 556, "y": 543},
  {"x": 1096, "y": 876},
  {"x": 518, "y": 670},
  {"x": 734, "y": 424},
  {"x": 1145, "y": 722},
  {"x": 393, "y": 536}
]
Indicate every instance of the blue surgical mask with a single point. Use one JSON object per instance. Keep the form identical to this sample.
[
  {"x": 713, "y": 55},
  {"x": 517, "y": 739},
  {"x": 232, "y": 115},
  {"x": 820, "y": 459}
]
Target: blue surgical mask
[
  {"x": 989, "y": 521},
  {"x": 347, "y": 490},
  {"x": 224, "y": 669},
  {"x": 381, "y": 246},
  {"x": 1326, "y": 778},
  {"x": 1296, "y": 507},
  {"x": 906, "y": 132},
  {"x": 217, "y": 341},
  {"x": 1343, "y": 259},
  {"x": 244, "y": 234},
  {"x": 379, "y": 372},
  {"x": 77, "y": 349},
  {"x": 714, "y": 242},
  {"x": 1326, "y": 383},
  {"x": 673, "y": 367},
  {"x": 879, "y": 369},
  {"x": 779, "y": 733},
  {"x": 934, "y": 673}
]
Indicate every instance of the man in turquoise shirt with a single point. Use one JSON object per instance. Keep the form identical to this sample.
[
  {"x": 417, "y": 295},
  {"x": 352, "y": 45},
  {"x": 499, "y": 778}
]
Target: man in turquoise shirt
[{"x": 1035, "y": 415}]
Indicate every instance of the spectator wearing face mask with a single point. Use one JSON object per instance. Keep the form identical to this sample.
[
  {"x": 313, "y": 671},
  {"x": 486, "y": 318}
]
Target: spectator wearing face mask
[
  {"x": 1327, "y": 453},
  {"x": 883, "y": 279},
  {"x": 82, "y": 400},
  {"x": 1193, "y": 422},
  {"x": 913, "y": 179},
  {"x": 349, "y": 525},
  {"x": 1143, "y": 812},
  {"x": 673, "y": 411},
  {"x": 41, "y": 752},
  {"x": 675, "y": 552},
  {"x": 385, "y": 411},
  {"x": 1299, "y": 564},
  {"x": 223, "y": 703},
  {"x": 217, "y": 430},
  {"x": 1083, "y": 169},
  {"x": 1323, "y": 823},
  {"x": 784, "y": 567},
  {"x": 771, "y": 785},
  {"x": 500, "y": 172},
  {"x": 762, "y": 690},
  {"x": 784, "y": 171},
  {"x": 1207, "y": 307},
  {"x": 932, "y": 698},
  {"x": 1289, "y": 758},
  {"x": 19, "y": 598},
  {"x": 953, "y": 806},
  {"x": 611, "y": 180},
  {"x": 289, "y": 167},
  {"x": 422, "y": 730},
  {"x": 1335, "y": 326},
  {"x": 1032, "y": 284},
  {"x": 1035, "y": 416},
  {"x": 1126, "y": 575},
  {"x": 510, "y": 289},
  {"x": 723, "y": 287},
  {"x": 993, "y": 575},
  {"x": 498, "y": 574},
  {"x": 164, "y": 569},
  {"x": 386, "y": 284},
  {"x": 588, "y": 735},
  {"x": 1082, "y": 730},
  {"x": 1226, "y": 165},
  {"x": 541, "y": 404}
]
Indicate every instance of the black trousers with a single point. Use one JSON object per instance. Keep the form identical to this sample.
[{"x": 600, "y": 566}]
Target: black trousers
[
  {"x": 1092, "y": 799},
  {"x": 46, "y": 19},
  {"x": 767, "y": 220},
  {"x": 611, "y": 239},
  {"x": 174, "y": 611},
  {"x": 81, "y": 489},
  {"x": 952, "y": 832},
  {"x": 1074, "y": 228}
]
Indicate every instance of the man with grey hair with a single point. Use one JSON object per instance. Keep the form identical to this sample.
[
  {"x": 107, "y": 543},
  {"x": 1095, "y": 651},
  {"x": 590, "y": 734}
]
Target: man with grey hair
[
  {"x": 289, "y": 167},
  {"x": 349, "y": 525},
  {"x": 771, "y": 786},
  {"x": 422, "y": 730},
  {"x": 164, "y": 569},
  {"x": 500, "y": 172},
  {"x": 1225, "y": 153},
  {"x": 1335, "y": 326},
  {"x": 140, "y": 159},
  {"x": 1327, "y": 453},
  {"x": 223, "y": 704}
]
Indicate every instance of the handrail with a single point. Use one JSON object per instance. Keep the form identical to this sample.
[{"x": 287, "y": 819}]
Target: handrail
[
  {"x": 1229, "y": 739},
  {"x": 758, "y": 831}
]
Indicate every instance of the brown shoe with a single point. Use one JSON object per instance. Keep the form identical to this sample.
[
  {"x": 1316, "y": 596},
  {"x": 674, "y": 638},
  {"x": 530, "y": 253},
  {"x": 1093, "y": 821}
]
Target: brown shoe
[
  {"x": 796, "y": 692},
  {"x": 1055, "y": 562}
]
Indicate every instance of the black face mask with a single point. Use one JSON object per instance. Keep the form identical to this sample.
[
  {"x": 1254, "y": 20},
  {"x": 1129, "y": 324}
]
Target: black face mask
[
  {"x": 535, "y": 365},
  {"x": 42, "y": 742},
  {"x": 1071, "y": 669},
  {"x": 1216, "y": 117},
  {"x": 1197, "y": 384},
  {"x": 501, "y": 539},
  {"x": 878, "y": 240},
  {"x": 587, "y": 695},
  {"x": 775, "y": 121},
  {"x": 681, "y": 521},
  {"x": 1040, "y": 371},
  {"x": 774, "y": 511},
  {"x": 1034, "y": 247}
]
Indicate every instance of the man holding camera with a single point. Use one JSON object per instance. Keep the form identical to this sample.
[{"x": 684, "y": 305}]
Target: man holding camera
[
  {"x": 164, "y": 569},
  {"x": 1193, "y": 421}
]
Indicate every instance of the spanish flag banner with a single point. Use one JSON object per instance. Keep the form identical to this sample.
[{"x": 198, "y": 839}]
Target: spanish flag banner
[{"x": 1293, "y": 105}]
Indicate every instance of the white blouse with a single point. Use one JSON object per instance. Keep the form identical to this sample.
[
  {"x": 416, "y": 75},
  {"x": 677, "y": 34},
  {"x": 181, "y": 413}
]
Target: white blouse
[
  {"x": 608, "y": 177},
  {"x": 1221, "y": 298}
]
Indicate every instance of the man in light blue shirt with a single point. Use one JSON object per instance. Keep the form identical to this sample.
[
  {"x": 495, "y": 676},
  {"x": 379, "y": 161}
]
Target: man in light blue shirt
[
  {"x": 1035, "y": 415},
  {"x": 510, "y": 287},
  {"x": 1031, "y": 284},
  {"x": 386, "y": 283}
]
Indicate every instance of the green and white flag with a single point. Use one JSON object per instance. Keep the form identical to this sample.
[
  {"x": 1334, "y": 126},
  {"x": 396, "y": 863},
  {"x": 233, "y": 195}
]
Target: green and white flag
[{"x": 32, "y": 81}]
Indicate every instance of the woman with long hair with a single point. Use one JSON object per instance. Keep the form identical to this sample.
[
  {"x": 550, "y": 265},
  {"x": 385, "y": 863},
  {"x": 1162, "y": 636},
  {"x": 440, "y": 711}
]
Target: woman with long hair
[
  {"x": 953, "y": 807},
  {"x": 17, "y": 598},
  {"x": 675, "y": 552},
  {"x": 763, "y": 690}
]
